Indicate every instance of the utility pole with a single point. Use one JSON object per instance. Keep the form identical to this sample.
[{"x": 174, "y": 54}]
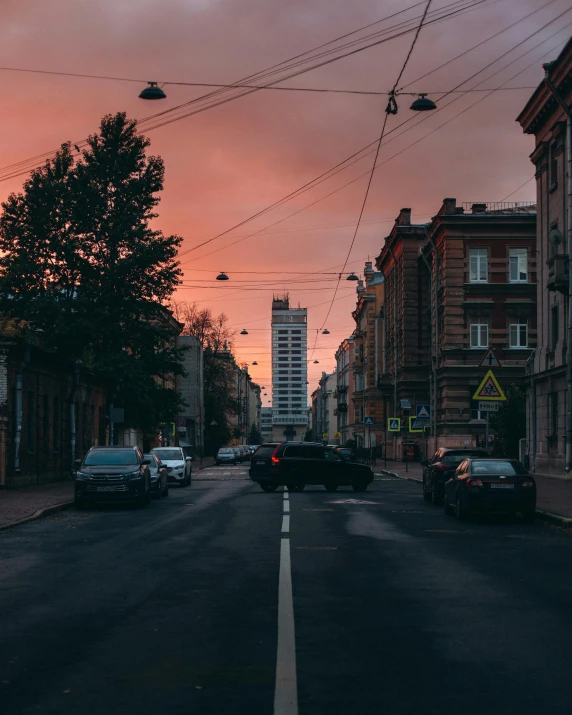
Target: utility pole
[{"x": 568, "y": 111}]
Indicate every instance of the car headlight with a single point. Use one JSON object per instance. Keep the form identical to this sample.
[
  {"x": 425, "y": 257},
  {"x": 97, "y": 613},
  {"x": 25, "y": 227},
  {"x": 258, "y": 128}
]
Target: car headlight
[
  {"x": 134, "y": 475},
  {"x": 82, "y": 475}
]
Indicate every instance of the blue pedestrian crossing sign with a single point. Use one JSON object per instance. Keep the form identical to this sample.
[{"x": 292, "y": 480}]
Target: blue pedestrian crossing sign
[
  {"x": 423, "y": 412},
  {"x": 393, "y": 424},
  {"x": 368, "y": 421}
]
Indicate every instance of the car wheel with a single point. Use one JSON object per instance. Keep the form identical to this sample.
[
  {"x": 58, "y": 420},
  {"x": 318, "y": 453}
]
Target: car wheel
[
  {"x": 330, "y": 486},
  {"x": 460, "y": 513},
  {"x": 448, "y": 508},
  {"x": 269, "y": 487},
  {"x": 426, "y": 493},
  {"x": 529, "y": 516},
  {"x": 359, "y": 485}
]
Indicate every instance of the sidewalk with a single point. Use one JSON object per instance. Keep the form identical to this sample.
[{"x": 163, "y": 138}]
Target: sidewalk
[
  {"x": 20, "y": 505},
  {"x": 554, "y": 496}
]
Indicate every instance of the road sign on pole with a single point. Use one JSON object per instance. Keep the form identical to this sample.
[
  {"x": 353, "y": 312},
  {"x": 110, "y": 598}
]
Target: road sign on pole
[
  {"x": 489, "y": 389},
  {"x": 337, "y": 435},
  {"x": 488, "y": 406},
  {"x": 423, "y": 411},
  {"x": 393, "y": 424},
  {"x": 369, "y": 421},
  {"x": 417, "y": 425},
  {"x": 490, "y": 360}
]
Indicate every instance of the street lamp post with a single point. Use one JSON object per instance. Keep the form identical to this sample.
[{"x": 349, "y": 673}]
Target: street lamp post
[{"x": 568, "y": 110}]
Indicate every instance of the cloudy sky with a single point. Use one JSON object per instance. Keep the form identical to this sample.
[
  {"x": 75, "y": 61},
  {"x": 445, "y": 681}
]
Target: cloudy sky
[{"x": 227, "y": 163}]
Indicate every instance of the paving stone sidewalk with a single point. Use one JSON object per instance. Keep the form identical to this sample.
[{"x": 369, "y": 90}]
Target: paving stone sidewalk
[{"x": 554, "y": 495}]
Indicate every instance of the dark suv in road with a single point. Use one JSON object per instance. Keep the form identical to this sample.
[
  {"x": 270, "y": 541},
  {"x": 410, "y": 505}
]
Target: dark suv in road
[
  {"x": 295, "y": 464},
  {"x": 112, "y": 474},
  {"x": 441, "y": 468}
]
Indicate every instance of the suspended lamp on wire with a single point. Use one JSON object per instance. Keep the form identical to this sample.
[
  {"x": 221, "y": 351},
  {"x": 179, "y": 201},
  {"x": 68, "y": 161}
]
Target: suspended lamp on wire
[
  {"x": 152, "y": 92},
  {"x": 244, "y": 332},
  {"x": 325, "y": 331},
  {"x": 255, "y": 363},
  {"x": 352, "y": 277},
  {"x": 316, "y": 362},
  {"x": 222, "y": 276},
  {"x": 422, "y": 104}
]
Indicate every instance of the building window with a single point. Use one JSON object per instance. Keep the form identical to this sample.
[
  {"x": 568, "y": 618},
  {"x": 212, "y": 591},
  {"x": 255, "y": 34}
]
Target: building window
[
  {"x": 518, "y": 265},
  {"x": 31, "y": 422},
  {"x": 479, "y": 335},
  {"x": 479, "y": 270},
  {"x": 554, "y": 327},
  {"x": 518, "y": 337},
  {"x": 553, "y": 166},
  {"x": 56, "y": 424}
]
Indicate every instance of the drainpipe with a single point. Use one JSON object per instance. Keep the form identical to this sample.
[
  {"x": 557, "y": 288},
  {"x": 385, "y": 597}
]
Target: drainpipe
[
  {"x": 530, "y": 365},
  {"x": 73, "y": 435},
  {"x": 433, "y": 380},
  {"x": 560, "y": 99},
  {"x": 18, "y": 407},
  {"x": 436, "y": 319}
]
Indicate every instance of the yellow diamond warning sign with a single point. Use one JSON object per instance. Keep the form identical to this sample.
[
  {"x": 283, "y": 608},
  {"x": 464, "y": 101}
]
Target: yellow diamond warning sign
[{"x": 489, "y": 389}]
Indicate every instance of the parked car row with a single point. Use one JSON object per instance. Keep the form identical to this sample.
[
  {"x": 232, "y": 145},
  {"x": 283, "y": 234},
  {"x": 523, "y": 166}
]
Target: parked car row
[
  {"x": 469, "y": 482},
  {"x": 125, "y": 474},
  {"x": 296, "y": 464},
  {"x": 234, "y": 455}
]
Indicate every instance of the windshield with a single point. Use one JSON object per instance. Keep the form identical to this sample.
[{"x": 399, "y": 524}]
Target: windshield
[
  {"x": 118, "y": 458},
  {"x": 265, "y": 451},
  {"x": 169, "y": 454},
  {"x": 496, "y": 467},
  {"x": 226, "y": 450}
]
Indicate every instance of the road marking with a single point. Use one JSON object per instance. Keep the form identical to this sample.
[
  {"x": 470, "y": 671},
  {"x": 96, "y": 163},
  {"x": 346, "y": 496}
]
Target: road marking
[
  {"x": 286, "y": 692},
  {"x": 285, "y": 524},
  {"x": 286, "y": 506},
  {"x": 285, "y": 493},
  {"x": 317, "y": 548}
]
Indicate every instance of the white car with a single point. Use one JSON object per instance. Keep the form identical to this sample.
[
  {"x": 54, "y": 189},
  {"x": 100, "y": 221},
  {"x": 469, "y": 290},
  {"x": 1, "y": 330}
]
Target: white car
[{"x": 179, "y": 468}]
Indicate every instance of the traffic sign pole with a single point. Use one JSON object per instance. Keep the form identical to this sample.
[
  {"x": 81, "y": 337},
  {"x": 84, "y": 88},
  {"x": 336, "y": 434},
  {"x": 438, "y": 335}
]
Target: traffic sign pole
[{"x": 487, "y": 432}]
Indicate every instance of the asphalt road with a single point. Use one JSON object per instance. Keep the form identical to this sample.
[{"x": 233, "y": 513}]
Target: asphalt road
[{"x": 186, "y": 607}]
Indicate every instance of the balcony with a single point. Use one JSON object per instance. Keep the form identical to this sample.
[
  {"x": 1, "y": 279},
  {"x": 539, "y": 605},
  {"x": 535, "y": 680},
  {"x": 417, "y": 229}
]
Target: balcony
[
  {"x": 558, "y": 273},
  {"x": 342, "y": 407},
  {"x": 291, "y": 419}
]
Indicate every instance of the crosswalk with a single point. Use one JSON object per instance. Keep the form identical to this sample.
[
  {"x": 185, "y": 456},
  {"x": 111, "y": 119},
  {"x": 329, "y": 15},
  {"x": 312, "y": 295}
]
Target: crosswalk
[{"x": 222, "y": 473}]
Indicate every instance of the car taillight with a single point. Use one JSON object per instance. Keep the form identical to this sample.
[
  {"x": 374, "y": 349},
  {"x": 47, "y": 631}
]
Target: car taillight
[
  {"x": 474, "y": 483},
  {"x": 274, "y": 458},
  {"x": 528, "y": 483}
]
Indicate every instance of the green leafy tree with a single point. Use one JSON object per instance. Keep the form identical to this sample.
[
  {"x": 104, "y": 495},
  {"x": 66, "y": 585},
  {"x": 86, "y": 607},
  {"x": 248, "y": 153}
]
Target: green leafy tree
[
  {"x": 509, "y": 423},
  {"x": 309, "y": 436},
  {"x": 220, "y": 392},
  {"x": 80, "y": 260},
  {"x": 255, "y": 435}
]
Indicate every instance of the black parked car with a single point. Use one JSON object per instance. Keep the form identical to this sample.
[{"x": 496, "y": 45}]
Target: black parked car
[
  {"x": 441, "y": 468},
  {"x": 295, "y": 464},
  {"x": 112, "y": 474},
  {"x": 489, "y": 486},
  {"x": 159, "y": 476}
]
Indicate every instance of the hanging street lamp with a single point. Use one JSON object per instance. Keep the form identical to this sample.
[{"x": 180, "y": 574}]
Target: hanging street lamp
[
  {"x": 422, "y": 104},
  {"x": 152, "y": 92},
  {"x": 222, "y": 276},
  {"x": 352, "y": 277},
  {"x": 244, "y": 332}
]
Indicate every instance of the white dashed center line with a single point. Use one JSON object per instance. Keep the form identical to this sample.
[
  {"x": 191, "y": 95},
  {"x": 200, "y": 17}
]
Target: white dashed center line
[{"x": 286, "y": 524}]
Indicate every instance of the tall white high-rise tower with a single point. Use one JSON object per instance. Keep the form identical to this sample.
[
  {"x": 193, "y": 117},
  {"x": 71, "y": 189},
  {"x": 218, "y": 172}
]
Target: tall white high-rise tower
[{"x": 289, "y": 371}]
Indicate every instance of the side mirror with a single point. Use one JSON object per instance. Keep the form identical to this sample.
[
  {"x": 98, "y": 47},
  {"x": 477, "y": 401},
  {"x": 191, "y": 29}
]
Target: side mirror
[
  {"x": 424, "y": 462},
  {"x": 188, "y": 459},
  {"x": 146, "y": 461},
  {"x": 78, "y": 462}
]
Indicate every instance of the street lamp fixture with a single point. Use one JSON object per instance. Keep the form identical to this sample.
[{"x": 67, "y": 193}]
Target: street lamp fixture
[
  {"x": 255, "y": 363},
  {"x": 244, "y": 332},
  {"x": 222, "y": 276},
  {"x": 152, "y": 92},
  {"x": 352, "y": 277},
  {"x": 325, "y": 332},
  {"x": 422, "y": 104},
  {"x": 316, "y": 362}
]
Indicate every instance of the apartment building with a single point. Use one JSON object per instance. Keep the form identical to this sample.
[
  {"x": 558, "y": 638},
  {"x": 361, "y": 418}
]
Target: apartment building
[{"x": 289, "y": 370}]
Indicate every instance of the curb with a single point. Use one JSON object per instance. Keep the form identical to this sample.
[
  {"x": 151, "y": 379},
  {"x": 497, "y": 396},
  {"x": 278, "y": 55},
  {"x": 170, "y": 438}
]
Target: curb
[
  {"x": 547, "y": 516},
  {"x": 46, "y": 511}
]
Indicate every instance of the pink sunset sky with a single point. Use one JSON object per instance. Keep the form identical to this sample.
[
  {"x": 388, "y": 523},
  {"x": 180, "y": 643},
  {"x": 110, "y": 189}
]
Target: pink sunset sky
[{"x": 226, "y": 164}]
